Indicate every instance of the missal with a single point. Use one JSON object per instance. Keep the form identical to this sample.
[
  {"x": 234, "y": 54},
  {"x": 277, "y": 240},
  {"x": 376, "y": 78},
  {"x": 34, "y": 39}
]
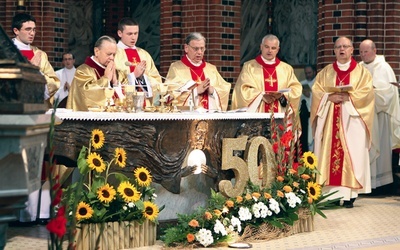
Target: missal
[
  {"x": 278, "y": 91},
  {"x": 343, "y": 88}
]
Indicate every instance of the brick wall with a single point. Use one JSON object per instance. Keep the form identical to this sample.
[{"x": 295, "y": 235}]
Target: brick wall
[
  {"x": 51, "y": 25},
  {"x": 217, "y": 20},
  {"x": 377, "y": 20}
]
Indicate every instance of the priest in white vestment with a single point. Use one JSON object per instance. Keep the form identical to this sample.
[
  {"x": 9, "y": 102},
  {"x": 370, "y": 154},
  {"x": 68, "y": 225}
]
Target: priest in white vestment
[{"x": 386, "y": 129}]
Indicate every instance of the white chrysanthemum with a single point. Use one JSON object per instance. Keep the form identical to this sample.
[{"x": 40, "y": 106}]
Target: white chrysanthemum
[
  {"x": 125, "y": 208},
  {"x": 204, "y": 236},
  {"x": 235, "y": 222},
  {"x": 244, "y": 214},
  {"x": 274, "y": 206},
  {"x": 131, "y": 204},
  {"x": 256, "y": 210},
  {"x": 219, "y": 228},
  {"x": 292, "y": 199}
]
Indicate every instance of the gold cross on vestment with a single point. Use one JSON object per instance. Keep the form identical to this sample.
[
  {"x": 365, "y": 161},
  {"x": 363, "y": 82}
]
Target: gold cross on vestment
[
  {"x": 270, "y": 80},
  {"x": 134, "y": 62}
]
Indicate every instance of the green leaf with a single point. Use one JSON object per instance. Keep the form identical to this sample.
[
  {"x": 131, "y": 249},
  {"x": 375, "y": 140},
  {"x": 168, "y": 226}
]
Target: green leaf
[{"x": 82, "y": 164}]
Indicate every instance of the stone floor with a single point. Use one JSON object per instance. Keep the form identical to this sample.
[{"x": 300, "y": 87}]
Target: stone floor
[{"x": 373, "y": 223}]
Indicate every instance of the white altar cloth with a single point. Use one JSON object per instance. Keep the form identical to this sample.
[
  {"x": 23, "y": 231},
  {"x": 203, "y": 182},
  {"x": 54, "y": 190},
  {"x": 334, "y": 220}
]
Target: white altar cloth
[{"x": 107, "y": 116}]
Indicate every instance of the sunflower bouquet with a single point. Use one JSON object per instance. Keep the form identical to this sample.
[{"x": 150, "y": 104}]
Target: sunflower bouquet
[
  {"x": 259, "y": 213},
  {"x": 102, "y": 195}
]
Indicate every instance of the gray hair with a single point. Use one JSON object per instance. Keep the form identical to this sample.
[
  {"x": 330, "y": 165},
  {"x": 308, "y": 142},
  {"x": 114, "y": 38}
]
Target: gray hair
[
  {"x": 194, "y": 36},
  {"x": 102, "y": 39},
  {"x": 270, "y": 37}
]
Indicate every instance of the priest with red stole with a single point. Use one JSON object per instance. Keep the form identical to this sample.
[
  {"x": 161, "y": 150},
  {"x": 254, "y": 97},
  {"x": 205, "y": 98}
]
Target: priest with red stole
[
  {"x": 342, "y": 124},
  {"x": 24, "y": 28},
  {"x": 267, "y": 84},
  {"x": 210, "y": 91},
  {"x": 136, "y": 62},
  {"x": 92, "y": 77}
]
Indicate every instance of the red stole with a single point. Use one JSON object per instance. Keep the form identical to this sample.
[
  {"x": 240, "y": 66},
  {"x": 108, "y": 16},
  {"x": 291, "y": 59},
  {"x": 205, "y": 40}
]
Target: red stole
[
  {"x": 133, "y": 58},
  {"x": 337, "y": 152},
  {"x": 28, "y": 54},
  {"x": 197, "y": 73},
  {"x": 270, "y": 81}
]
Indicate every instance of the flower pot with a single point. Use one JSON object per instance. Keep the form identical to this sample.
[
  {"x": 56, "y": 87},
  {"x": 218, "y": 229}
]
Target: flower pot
[
  {"x": 304, "y": 224},
  {"x": 115, "y": 235}
]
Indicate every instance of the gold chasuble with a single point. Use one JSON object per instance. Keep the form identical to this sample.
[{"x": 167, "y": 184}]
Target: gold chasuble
[
  {"x": 180, "y": 72},
  {"x": 134, "y": 56},
  {"x": 342, "y": 131},
  {"x": 257, "y": 77},
  {"x": 87, "y": 88}
]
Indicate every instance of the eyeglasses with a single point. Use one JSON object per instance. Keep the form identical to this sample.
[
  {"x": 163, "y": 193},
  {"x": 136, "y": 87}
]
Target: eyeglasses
[
  {"x": 68, "y": 59},
  {"x": 342, "y": 46},
  {"x": 29, "y": 30},
  {"x": 202, "y": 49}
]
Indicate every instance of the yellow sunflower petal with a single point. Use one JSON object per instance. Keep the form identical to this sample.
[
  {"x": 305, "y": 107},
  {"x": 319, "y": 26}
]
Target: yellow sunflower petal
[
  {"x": 95, "y": 162},
  {"x": 143, "y": 176},
  {"x": 83, "y": 211},
  {"x": 120, "y": 157},
  {"x": 309, "y": 160},
  {"x": 150, "y": 210},
  {"x": 97, "y": 139},
  {"x": 106, "y": 193},
  {"x": 314, "y": 190},
  {"x": 128, "y": 192}
]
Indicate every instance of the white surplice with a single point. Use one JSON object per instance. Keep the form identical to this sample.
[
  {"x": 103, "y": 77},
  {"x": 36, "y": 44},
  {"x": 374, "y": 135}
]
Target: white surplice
[{"x": 386, "y": 129}]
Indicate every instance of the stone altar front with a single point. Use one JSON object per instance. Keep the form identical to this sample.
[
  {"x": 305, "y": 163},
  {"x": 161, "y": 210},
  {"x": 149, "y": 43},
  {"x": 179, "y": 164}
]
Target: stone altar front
[{"x": 161, "y": 142}]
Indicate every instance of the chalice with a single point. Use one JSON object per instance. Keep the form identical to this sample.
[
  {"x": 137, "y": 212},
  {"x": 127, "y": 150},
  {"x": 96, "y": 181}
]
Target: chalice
[
  {"x": 109, "y": 93},
  {"x": 176, "y": 93}
]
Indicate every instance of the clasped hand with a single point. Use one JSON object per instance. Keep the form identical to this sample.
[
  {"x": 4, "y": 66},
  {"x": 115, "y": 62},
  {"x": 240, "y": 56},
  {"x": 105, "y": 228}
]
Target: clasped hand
[
  {"x": 205, "y": 86},
  {"x": 140, "y": 68},
  {"x": 271, "y": 97},
  {"x": 111, "y": 74},
  {"x": 338, "y": 97}
]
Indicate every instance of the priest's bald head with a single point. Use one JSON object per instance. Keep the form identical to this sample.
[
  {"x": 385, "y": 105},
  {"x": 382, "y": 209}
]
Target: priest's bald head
[{"x": 367, "y": 51}]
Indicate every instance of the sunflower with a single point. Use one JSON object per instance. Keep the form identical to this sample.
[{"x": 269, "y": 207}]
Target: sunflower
[
  {"x": 120, "y": 157},
  {"x": 143, "y": 176},
  {"x": 97, "y": 139},
  {"x": 96, "y": 162},
  {"x": 314, "y": 190},
  {"x": 128, "y": 192},
  {"x": 310, "y": 160},
  {"x": 106, "y": 193},
  {"x": 150, "y": 210},
  {"x": 83, "y": 211}
]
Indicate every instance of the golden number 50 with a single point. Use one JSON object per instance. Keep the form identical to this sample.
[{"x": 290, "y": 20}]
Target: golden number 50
[{"x": 258, "y": 168}]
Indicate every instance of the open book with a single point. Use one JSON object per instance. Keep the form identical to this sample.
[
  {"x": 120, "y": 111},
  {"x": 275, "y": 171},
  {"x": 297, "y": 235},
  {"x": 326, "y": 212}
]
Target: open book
[
  {"x": 279, "y": 91},
  {"x": 344, "y": 88},
  {"x": 188, "y": 86}
]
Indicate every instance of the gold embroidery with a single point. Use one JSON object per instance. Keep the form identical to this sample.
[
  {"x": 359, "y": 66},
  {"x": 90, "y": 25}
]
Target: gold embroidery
[
  {"x": 270, "y": 80},
  {"x": 134, "y": 61}
]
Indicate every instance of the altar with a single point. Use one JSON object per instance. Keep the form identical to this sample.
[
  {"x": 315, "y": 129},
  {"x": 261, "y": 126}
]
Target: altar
[{"x": 161, "y": 142}]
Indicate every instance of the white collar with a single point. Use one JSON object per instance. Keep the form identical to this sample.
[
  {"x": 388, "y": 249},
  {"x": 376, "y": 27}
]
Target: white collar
[
  {"x": 122, "y": 45},
  {"x": 20, "y": 45},
  {"x": 92, "y": 57},
  {"x": 195, "y": 64},
  {"x": 343, "y": 66},
  {"x": 270, "y": 62}
]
